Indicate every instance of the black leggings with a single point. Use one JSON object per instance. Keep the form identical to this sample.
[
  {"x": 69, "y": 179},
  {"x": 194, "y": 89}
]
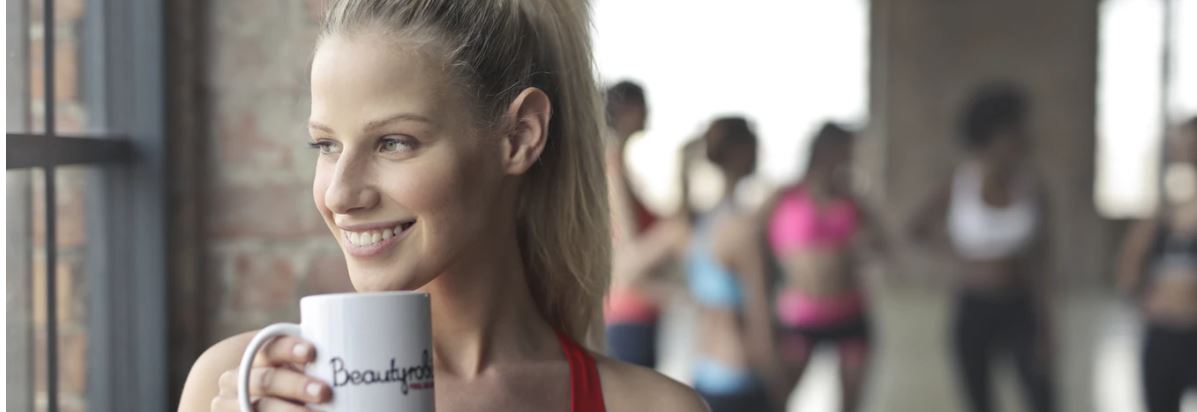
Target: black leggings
[
  {"x": 986, "y": 326},
  {"x": 1169, "y": 366}
]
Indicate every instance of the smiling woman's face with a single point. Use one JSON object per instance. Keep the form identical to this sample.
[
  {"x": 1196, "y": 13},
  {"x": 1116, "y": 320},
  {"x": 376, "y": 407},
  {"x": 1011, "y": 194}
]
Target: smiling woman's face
[{"x": 404, "y": 180}]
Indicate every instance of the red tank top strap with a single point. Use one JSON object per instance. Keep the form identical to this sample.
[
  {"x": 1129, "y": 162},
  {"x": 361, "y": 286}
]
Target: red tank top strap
[{"x": 585, "y": 389}]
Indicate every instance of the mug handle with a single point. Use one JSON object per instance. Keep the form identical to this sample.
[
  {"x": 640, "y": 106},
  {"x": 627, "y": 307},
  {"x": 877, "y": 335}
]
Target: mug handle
[{"x": 247, "y": 360}]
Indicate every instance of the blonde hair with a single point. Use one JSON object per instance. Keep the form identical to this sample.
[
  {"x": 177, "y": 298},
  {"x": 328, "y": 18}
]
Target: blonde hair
[{"x": 497, "y": 49}]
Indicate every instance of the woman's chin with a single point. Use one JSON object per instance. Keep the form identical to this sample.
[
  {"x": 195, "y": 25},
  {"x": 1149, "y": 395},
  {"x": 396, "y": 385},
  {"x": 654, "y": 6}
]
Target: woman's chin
[{"x": 387, "y": 283}]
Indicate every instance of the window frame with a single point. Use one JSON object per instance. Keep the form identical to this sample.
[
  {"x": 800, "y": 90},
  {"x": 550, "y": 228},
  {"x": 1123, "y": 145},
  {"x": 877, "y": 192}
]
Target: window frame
[{"x": 124, "y": 71}]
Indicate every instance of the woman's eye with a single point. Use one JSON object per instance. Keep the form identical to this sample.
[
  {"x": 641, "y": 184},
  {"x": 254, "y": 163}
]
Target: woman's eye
[
  {"x": 326, "y": 146},
  {"x": 394, "y": 144}
]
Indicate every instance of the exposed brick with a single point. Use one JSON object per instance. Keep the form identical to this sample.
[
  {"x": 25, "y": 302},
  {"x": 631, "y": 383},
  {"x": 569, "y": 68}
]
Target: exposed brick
[
  {"x": 257, "y": 60},
  {"x": 39, "y": 360},
  {"x": 219, "y": 296},
  {"x": 72, "y": 206},
  {"x": 70, "y": 119},
  {"x": 66, "y": 69},
  {"x": 72, "y": 364},
  {"x": 72, "y": 404},
  {"x": 326, "y": 274},
  {"x": 263, "y": 283},
  {"x": 269, "y": 211},
  {"x": 38, "y": 289},
  {"x": 72, "y": 326},
  {"x": 73, "y": 290},
  {"x": 64, "y": 10},
  {"x": 241, "y": 143},
  {"x": 70, "y": 212}
]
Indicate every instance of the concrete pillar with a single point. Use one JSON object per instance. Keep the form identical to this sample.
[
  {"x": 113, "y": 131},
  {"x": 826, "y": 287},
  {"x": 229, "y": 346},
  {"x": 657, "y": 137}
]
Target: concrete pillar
[{"x": 927, "y": 57}]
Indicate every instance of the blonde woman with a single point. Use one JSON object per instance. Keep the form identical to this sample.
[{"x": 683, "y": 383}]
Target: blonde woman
[{"x": 469, "y": 129}]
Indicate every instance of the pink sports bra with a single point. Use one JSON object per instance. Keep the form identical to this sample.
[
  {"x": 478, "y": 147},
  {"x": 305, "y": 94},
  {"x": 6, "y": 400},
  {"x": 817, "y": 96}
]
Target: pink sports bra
[{"x": 798, "y": 222}]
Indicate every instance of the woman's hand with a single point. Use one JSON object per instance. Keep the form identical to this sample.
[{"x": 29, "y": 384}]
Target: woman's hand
[{"x": 276, "y": 382}]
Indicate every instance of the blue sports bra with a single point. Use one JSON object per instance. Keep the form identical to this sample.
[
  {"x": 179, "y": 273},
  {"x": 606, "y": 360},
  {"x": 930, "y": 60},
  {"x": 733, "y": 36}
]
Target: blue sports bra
[{"x": 711, "y": 283}]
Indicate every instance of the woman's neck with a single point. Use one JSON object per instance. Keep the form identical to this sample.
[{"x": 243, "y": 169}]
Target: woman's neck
[
  {"x": 733, "y": 183},
  {"x": 995, "y": 170},
  {"x": 483, "y": 313}
]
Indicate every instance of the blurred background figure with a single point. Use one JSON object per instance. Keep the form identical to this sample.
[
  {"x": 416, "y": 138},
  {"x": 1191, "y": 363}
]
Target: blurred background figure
[
  {"x": 814, "y": 229},
  {"x": 632, "y": 309},
  {"x": 1158, "y": 269},
  {"x": 733, "y": 368},
  {"x": 990, "y": 216}
]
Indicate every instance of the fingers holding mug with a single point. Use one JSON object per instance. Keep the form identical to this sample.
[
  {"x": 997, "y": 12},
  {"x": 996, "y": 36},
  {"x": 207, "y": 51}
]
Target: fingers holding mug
[
  {"x": 271, "y": 368},
  {"x": 221, "y": 404},
  {"x": 278, "y": 383},
  {"x": 285, "y": 350},
  {"x": 286, "y": 384},
  {"x": 277, "y": 405}
]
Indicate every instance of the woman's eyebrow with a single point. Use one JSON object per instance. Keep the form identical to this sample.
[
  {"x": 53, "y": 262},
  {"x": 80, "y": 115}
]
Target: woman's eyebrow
[
  {"x": 376, "y": 124},
  {"x": 401, "y": 117},
  {"x": 319, "y": 126}
]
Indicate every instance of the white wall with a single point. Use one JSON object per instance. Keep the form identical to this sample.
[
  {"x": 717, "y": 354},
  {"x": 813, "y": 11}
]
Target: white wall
[
  {"x": 1129, "y": 113},
  {"x": 784, "y": 65}
]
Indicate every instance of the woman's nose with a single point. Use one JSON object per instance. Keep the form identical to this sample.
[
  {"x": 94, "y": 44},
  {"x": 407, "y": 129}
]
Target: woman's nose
[{"x": 352, "y": 187}]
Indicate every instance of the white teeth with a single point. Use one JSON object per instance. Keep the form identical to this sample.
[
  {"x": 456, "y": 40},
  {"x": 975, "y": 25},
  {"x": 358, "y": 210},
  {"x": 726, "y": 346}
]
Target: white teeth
[{"x": 371, "y": 237}]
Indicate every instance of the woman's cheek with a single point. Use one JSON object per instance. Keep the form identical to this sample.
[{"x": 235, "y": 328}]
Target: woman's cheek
[
  {"x": 449, "y": 195},
  {"x": 422, "y": 188},
  {"x": 319, "y": 187}
]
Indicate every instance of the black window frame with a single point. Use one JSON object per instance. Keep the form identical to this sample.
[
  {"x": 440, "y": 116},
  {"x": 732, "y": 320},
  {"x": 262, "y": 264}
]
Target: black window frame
[{"x": 123, "y": 72}]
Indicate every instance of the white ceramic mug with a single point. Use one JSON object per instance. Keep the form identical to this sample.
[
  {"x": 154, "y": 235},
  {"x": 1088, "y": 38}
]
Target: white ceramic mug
[{"x": 373, "y": 349}]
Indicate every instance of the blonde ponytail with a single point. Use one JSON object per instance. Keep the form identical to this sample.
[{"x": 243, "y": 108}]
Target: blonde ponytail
[{"x": 498, "y": 48}]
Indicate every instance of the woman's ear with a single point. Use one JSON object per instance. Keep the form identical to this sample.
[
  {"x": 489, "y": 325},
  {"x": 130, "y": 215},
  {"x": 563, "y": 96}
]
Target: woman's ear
[{"x": 528, "y": 133}]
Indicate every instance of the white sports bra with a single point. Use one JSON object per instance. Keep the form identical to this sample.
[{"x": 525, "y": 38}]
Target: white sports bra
[{"x": 982, "y": 232}]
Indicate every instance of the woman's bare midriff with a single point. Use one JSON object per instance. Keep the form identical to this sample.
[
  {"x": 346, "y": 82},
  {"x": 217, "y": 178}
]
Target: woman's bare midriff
[
  {"x": 722, "y": 337},
  {"x": 996, "y": 276},
  {"x": 1172, "y": 300},
  {"x": 819, "y": 272}
]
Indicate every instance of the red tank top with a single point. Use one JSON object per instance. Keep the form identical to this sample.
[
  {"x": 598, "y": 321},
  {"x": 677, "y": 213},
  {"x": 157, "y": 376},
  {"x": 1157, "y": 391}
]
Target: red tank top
[{"x": 585, "y": 390}]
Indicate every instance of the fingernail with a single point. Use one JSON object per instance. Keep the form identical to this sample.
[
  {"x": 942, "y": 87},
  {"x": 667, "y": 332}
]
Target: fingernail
[
  {"x": 313, "y": 389},
  {"x": 301, "y": 350}
]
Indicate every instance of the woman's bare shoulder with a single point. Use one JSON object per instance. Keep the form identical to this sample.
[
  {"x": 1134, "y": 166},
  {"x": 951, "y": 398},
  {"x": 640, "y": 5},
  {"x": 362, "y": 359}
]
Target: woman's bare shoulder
[
  {"x": 628, "y": 387},
  {"x": 203, "y": 380}
]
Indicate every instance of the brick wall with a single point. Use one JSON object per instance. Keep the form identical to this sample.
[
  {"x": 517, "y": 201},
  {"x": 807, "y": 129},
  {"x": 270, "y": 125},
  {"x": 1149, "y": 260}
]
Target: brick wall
[
  {"x": 266, "y": 245},
  {"x": 247, "y": 241}
]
